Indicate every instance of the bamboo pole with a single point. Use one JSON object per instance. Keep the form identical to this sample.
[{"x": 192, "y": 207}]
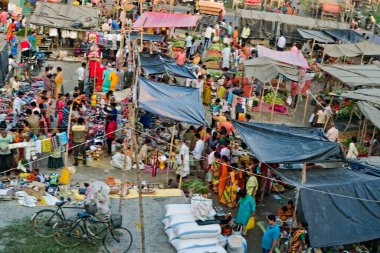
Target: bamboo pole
[
  {"x": 365, "y": 46},
  {"x": 275, "y": 96},
  {"x": 142, "y": 26},
  {"x": 170, "y": 153},
  {"x": 349, "y": 121},
  {"x": 295, "y": 109},
  {"x": 371, "y": 142},
  {"x": 306, "y": 105},
  {"x": 68, "y": 134},
  {"x": 261, "y": 101},
  {"x": 312, "y": 48},
  {"x": 122, "y": 38},
  {"x": 324, "y": 54}
]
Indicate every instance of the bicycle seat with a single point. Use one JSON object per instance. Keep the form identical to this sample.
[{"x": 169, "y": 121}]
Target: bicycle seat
[
  {"x": 60, "y": 203},
  {"x": 84, "y": 215}
]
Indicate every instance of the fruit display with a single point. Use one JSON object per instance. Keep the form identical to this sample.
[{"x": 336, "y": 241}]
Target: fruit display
[
  {"x": 179, "y": 43},
  {"x": 213, "y": 58},
  {"x": 271, "y": 97},
  {"x": 215, "y": 73},
  {"x": 217, "y": 46}
]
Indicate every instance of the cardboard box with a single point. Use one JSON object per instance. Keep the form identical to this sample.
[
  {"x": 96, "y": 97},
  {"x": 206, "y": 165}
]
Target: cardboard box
[{"x": 35, "y": 189}]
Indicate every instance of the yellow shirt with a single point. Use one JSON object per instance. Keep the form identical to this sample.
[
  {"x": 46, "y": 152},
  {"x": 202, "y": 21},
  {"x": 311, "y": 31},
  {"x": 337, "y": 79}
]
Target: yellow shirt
[
  {"x": 59, "y": 78},
  {"x": 114, "y": 80}
]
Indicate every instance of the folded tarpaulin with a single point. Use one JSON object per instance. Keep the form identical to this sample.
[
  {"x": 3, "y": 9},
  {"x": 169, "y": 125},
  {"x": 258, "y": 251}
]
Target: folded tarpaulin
[
  {"x": 265, "y": 69},
  {"x": 319, "y": 36},
  {"x": 178, "y": 103},
  {"x": 370, "y": 112},
  {"x": 272, "y": 143},
  {"x": 368, "y": 165},
  {"x": 369, "y": 95},
  {"x": 148, "y": 37},
  {"x": 340, "y": 206},
  {"x": 169, "y": 20},
  {"x": 354, "y": 75},
  {"x": 158, "y": 63},
  {"x": 289, "y": 57}
]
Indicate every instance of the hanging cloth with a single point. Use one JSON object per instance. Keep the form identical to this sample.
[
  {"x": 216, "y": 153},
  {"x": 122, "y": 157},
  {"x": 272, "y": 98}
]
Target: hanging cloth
[
  {"x": 63, "y": 138},
  {"x": 46, "y": 145}
]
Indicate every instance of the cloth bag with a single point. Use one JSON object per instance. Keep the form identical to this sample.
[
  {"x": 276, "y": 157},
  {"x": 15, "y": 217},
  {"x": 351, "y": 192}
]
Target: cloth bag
[{"x": 251, "y": 223}]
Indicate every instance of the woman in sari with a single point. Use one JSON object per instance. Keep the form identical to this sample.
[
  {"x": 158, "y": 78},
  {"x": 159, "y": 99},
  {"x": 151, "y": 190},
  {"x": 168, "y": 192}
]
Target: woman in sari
[
  {"x": 235, "y": 35},
  {"x": 247, "y": 208},
  {"x": 297, "y": 242},
  {"x": 223, "y": 177},
  {"x": 11, "y": 28},
  {"x": 207, "y": 91},
  {"x": 241, "y": 175},
  {"x": 215, "y": 169},
  {"x": 230, "y": 190},
  {"x": 58, "y": 83}
]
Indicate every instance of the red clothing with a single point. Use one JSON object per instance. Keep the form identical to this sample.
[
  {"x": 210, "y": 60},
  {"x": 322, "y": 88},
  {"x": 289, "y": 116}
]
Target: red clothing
[
  {"x": 110, "y": 130},
  {"x": 228, "y": 125},
  {"x": 99, "y": 78},
  {"x": 180, "y": 58},
  {"x": 24, "y": 45},
  {"x": 295, "y": 90},
  {"x": 93, "y": 68}
]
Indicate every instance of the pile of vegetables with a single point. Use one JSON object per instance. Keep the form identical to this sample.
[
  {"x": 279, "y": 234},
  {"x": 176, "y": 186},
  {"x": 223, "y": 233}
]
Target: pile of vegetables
[
  {"x": 239, "y": 73},
  {"x": 195, "y": 186},
  {"x": 214, "y": 53},
  {"x": 215, "y": 73},
  {"x": 179, "y": 43},
  {"x": 213, "y": 58},
  {"x": 270, "y": 98},
  {"x": 345, "y": 111},
  {"x": 217, "y": 46}
]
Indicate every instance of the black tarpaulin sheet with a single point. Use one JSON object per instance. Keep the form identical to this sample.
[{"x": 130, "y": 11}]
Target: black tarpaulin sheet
[
  {"x": 157, "y": 63},
  {"x": 345, "y": 35},
  {"x": 367, "y": 165},
  {"x": 147, "y": 37},
  {"x": 335, "y": 220},
  {"x": 179, "y": 103},
  {"x": 272, "y": 143}
]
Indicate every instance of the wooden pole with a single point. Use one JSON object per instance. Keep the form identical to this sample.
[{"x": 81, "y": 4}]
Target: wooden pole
[
  {"x": 363, "y": 53},
  {"x": 261, "y": 101},
  {"x": 324, "y": 53},
  {"x": 371, "y": 142},
  {"x": 312, "y": 47},
  {"x": 142, "y": 26},
  {"x": 349, "y": 121},
  {"x": 306, "y": 105},
  {"x": 122, "y": 37},
  {"x": 170, "y": 153},
  {"x": 295, "y": 109},
  {"x": 274, "y": 100},
  {"x": 304, "y": 178}
]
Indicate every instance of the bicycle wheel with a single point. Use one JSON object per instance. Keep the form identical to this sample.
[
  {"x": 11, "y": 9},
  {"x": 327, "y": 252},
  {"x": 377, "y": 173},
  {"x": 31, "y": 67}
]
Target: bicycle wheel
[
  {"x": 68, "y": 233},
  {"x": 118, "y": 240},
  {"x": 96, "y": 229},
  {"x": 43, "y": 222}
]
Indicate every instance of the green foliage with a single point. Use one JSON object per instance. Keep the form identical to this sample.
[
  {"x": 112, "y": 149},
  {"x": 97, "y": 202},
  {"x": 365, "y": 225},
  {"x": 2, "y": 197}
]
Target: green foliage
[
  {"x": 196, "y": 186},
  {"x": 270, "y": 98},
  {"x": 21, "y": 32}
]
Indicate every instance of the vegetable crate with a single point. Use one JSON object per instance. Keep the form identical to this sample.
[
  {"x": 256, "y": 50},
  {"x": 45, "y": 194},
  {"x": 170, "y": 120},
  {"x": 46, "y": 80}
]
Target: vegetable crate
[{"x": 212, "y": 65}]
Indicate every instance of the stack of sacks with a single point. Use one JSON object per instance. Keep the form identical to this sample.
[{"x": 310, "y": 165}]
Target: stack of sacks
[{"x": 186, "y": 235}]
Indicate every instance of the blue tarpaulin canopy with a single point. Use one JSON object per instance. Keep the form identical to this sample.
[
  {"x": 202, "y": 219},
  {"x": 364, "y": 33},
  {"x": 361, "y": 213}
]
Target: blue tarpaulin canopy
[
  {"x": 367, "y": 165},
  {"x": 345, "y": 35},
  {"x": 179, "y": 103},
  {"x": 272, "y": 143},
  {"x": 158, "y": 63},
  {"x": 335, "y": 207}
]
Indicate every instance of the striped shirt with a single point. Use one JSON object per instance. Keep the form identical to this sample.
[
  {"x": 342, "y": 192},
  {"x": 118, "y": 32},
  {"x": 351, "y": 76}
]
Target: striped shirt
[{"x": 66, "y": 112}]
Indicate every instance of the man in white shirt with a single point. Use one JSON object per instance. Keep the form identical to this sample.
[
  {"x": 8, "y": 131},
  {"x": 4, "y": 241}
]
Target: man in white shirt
[
  {"x": 197, "y": 154},
  {"x": 226, "y": 151},
  {"x": 17, "y": 104},
  {"x": 281, "y": 43},
  {"x": 80, "y": 73},
  {"x": 209, "y": 31},
  {"x": 189, "y": 43},
  {"x": 321, "y": 117},
  {"x": 184, "y": 159},
  {"x": 245, "y": 33},
  {"x": 333, "y": 133}
]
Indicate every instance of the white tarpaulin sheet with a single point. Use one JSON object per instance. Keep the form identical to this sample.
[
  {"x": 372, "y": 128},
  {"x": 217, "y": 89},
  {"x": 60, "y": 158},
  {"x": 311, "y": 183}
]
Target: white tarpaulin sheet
[
  {"x": 355, "y": 75},
  {"x": 369, "y": 95},
  {"x": 370, "y": 112},
  {"x": 289, "y": 57}
]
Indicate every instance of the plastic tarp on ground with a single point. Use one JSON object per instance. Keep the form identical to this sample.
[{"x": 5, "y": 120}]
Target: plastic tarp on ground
[
  {"x": 369, "y": 95},
  {"x": 272, "y": 143},
  {"x": 265, "y": 69},
  {"x": 289, "y": 57},
  {"x": 169, "y": 20},
  {"x": 158, "y": 63},
  {"x": 355, "y": 75},
  {"x": 335, "y": 220},
  {"x": 345, "y": 35},
  {"x": 290, "y": 19},
  {"x": 317, "y": 35},
  {"x": 370, "y": 112},
  {"x": 368, "y": 165},
  {"x": 178, "y": 103}
]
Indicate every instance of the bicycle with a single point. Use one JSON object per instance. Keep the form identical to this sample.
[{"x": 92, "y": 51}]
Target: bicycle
[
  {"x": 71, "y": 233},
  {"x": 44, "y": 220}
]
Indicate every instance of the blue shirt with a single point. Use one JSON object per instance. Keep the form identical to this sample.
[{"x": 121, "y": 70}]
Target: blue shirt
[
  {"x": 115, "y": 25},
  {"x": 272, "y": 233}
]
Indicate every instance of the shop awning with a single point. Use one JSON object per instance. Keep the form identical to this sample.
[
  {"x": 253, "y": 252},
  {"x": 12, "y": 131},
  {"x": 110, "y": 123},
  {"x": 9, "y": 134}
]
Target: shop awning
[
  {"x": 355, "y": 75},
  {"x": 272, "y": 143},
  {"x": 179, "y": 103},
  {"x": 345, "y": 35},
  {"x": 368, "y": 165},
  {"x": 168, "y": 20},
  {"x": 289, "y": 57},
  {"x": 369, "y": 95},
  {"x": 352, "y": 50},
  {"x": 333, "y": 218},
  {"x": 265, "y": 69},
  {"x": 158, "y": 63},
  {"x": 290, "y": 19},
  {"x": 317, "y": 35},
  {"x": 370, "y": 112}
]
